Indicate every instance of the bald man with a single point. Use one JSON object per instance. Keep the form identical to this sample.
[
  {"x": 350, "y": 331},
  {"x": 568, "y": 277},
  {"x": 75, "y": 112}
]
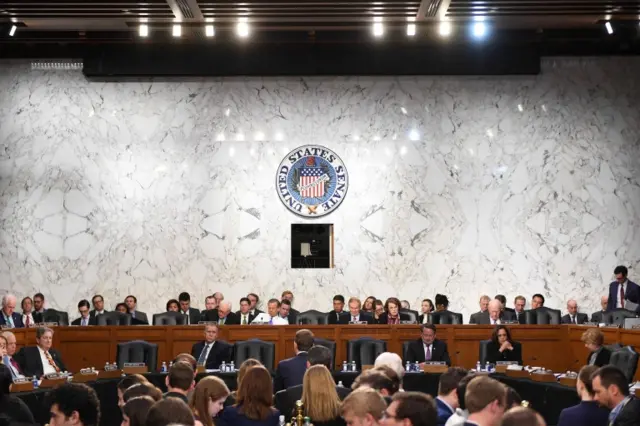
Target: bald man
[
  {"x": 573, "y": 316},
  {"x": 222, "y": 315},
  {"x": 8, "y": 317},
  {"x": 494, "y": 314},
  {"x": 597, "y": 316}
]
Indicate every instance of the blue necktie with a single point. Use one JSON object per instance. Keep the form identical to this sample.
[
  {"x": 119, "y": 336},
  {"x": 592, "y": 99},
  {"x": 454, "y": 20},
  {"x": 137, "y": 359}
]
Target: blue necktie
[{"x": 10, "y": 321}]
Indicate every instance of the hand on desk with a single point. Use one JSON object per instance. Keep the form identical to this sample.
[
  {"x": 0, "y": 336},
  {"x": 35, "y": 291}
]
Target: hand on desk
[{"x": 506, "y": 346}]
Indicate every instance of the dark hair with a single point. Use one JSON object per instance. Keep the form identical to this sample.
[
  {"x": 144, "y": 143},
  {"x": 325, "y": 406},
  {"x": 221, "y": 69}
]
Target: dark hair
[
  {"x": 255, "y": 394},
  {"x": 142, "y": 389},
  {"x": 40, "y": 295},
  {"x": 621, "y": 270},
  {"x": 78, "y": 397},
  {"x": 462, "y": 389},
  {"x": 123, "y": 305},
  {"x": 501, "y": 298},
  {"x": 430, "y": 302},
  {"x": 393, "y": 300},
  {"x": 137, "y": 410},
  {"x": 373, "y": 301},
  {"x": 450, "y": 379},
  {"x": 254, "y": 295},
  {"x": 184, "y": 297},
  {"x": 188, "y": 358},
  {"x": 396, "y": 381},
  {"x": 378, "y": 302},
  {"x": 85, "y": 303},
  {"x": 512, "y": 398},
  {"x": 22, "y": 303},
  {"x": 5, "y": 380},
  {"x": 170, "y": 411},
  {"x": 93, "y": 299},
  {"x": 171, "y": 302},
  {"x": 520, "y": 416},
  {"x": 181, "y": 375},
  {"x": 443, "y": 300},
  {"x": 338, "y": 298},
  {"x": 612, "y": 375},
  {"x": 285, "y": 302},
  {"x": 375, "y": 379},
  {"x": 418, "y": 407},
  {"x": 494, "y": 335},
  {"x": 304, "y": 339},
  {"x": 245, "y": 299},
  {"x": 131, "y": 380},
  {"x": 540, "y": 296},
  {"x": 273, "y": 301},
  {"x": 586, "y": 377},
  {"x": 429, "y": 326},
  {"x": 320, "y": 355},
  {"x": 135, "y": 299}
]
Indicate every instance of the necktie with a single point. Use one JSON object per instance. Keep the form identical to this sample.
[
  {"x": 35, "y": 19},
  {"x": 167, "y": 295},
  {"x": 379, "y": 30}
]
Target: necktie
[
  {"x": 52, "y": 362},
  {"x": 573, "y": 320},
  {"x": 187, "y": 314},
  {"x": 221, "y": 321},
  {"x": 10, "y": 321},
  {"x": 427, "y": 353},
  {"x": 28, "y": 322},
  {"x": 271, "y": 321},
  {"x": 353, "y": 319},
  {"x": 15, "y": 365},
  {"x": 203, "y": 355},
  {"x": 244, "y": 320},
  {"x": 133, "y": 314},
  {"x": 622, "y": 296},
  {"x": 84, "y": 321}
]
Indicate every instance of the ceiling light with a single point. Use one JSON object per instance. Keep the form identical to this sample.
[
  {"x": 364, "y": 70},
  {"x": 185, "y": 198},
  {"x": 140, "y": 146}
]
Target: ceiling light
[
  {"x": 479, "y": 29},
  {"x": 209, "y": 31},
  {"x": 411, "y": 29},
  {"x": 12, "y": 31},
  {"x": 378, "y": 28},
  {"x": 177, "y": 30},
  {"x": 609, "y": 27},
  {"x": 445, "y": 29},
  {"x": 243, "y": 28},
  {"x": 144, "y": 30}
]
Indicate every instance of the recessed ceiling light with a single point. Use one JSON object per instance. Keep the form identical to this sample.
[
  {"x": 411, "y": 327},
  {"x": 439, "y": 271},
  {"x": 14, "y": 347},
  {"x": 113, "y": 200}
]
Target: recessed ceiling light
[
  {"x": 609, "y": 28},
  {"x": 378, "y": 28},
  {"x": 144, "y": 30},
  {"x": 12, "y": 31},
  {"x": 479, "y": 29},
  {"x": 444, "y": 29},
  {"x": 411, "y": 30},
  {"x": 243, "y": 28},
  {"x": 209, "y": 30},
  {"x": 177, "y": 30}
]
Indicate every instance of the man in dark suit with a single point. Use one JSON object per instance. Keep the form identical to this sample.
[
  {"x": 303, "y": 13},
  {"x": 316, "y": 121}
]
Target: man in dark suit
[
  {"x": 38, "y": 308},
  {"x": 494, "y": 315},
  {"x": 519, "y": 303},
  {"x": 612, "y": 391},
  {"x": 8, "y": 317},
  {"x": 574, "y": 317},
  {"x": 192, "y": 314},
  {"x": 597, "y": 316},
  {"x": 338, "y": 309},
  {"x": 622, "y": 286},
  {"x": 285, "y": 400},
  {"x": 503, "y": 300},
  {"x": 447, "y": 400},
  {"x": 85, "y": 318},
  {"x": 132, "y": 307},
  {"x": 244, "y": 314},
  {"x": 291, "y": 371},
  {"x": 288, "y": 295},
  {"x": 211, "y": 352},
  {"x": 484, "y": 305},
  {"x": 98, "y": 307},
  {"x": 41, "y": 359},
  {"x": 428, "y": 348},
  {"x": 254, "y": 302},
  {"x": 285, "y": 313},
  {"x": 355, "y": 314},
  {"x": 222, "y": 315}
]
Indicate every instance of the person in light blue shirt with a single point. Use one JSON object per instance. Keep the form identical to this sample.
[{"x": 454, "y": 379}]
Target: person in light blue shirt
[
  {"x": 611, "y": 390},
  {"x": 9, "y": 318}
]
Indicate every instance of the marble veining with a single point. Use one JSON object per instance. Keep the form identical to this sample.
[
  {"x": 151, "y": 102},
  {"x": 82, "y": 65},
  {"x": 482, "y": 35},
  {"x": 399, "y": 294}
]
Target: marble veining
[{"x": 458, "y": 185}]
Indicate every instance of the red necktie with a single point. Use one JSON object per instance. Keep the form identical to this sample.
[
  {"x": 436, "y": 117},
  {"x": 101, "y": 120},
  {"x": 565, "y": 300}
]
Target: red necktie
[
  {"x": 15, "y": 365},
  {"x": 622, "y": 297},
  {"x": 27, "y": 323}
]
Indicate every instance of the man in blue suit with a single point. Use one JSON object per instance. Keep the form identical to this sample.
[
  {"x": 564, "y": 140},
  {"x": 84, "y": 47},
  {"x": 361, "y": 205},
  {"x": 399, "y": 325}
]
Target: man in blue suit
[
  {"x": 447, "y": 400},
  {"x": 291, "y": 371},
  {"x": 9, "y": 318},
  {"x": 622, "y": 286},
  {"x": 588, "y": 412}
]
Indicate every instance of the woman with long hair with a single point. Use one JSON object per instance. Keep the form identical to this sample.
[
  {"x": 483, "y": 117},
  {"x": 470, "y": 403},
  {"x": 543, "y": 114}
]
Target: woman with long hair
[
  {"x": 242, "y": 371},
  {"x": 173, "y": 305},
  {"x": 502, "y": 347},
  {"x": 369, "y": 304},
  {"x": 208, "y": 400},
  {"x": 134, "y": 412},
  {"x": 392, "y": 314},
  {"x": 319, "y": 397},
  {"x": 254, "y": 406}
]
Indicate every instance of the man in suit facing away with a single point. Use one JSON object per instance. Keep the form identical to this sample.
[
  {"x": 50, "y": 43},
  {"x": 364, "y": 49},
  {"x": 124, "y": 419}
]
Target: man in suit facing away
[
  {"x": 192, "y": 314},
  {"x": 132, "y": 306},
  {"x": 8, "y": 317},
  {"x": 428, "y": 348},
  {"x": 355, "y": 314},
  {"x": 85, "y": 317},
  {"x": 597, "y": 316},
  {"x": 484, "y": 305},
  {"x": 41, "y": 359},
  {"x": 291, "y": 371},
  {"x": 447, "y": 400},
  {"x": 612, "y": 391},
  {"x": 622, "y": 290},
  {"x": 210, "y": 352},
  {"x": 573, "y": 317}
]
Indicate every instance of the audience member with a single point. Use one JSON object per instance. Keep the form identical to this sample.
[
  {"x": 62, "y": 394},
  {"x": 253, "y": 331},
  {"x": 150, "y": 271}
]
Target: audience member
[
  {"x": 587, "y": 412},
  {"x": 242, "y": 371},
  {"x": 98, "y": 306},
  {"x": 3, "y": 348},
  {"x": 377, "y": 380},
  {"x": 573, "y": 317},
  {"x": 537, "y": 301},
  {"x": 484, "y": 305},
  {"x": 447, "y": 400},
  {"x": 10, "y": 318},
  {"x": 363, "y": 407},
  {"x": 503, "y": 300},
  {"x": 12, "y": 407},
  {"x": 338, "y": 309},
  {"x": 209, "y": 304},
  {"x": 396, "y": 381},
  {"x": 179, "y": 381},
  {"x": 141, "y": 389},
  {"x": 596, "y": 317},
  {"x": 502, "y": 348},
  {"x": 622, "y": 286},
  {"x": 85, "y": 316},
  {"x": 74, "y": 404},
  {"x": 135, "y": 411},
  {"x": 290, "y": 372},
  {"x": 173, "y": 306},
  {"x": 611, "y": 390},
  {"x": 319, "y": 397},
  {"x": 208, "y": 400},
  {"x": 355, "y": 313},
  {"x": 254, "y": 403},
  {"x": 410, "y": 409},
  {"x": 27, "y": 312},
  {"x": 244, "y": 315},
  {"x": 170, "y": 411},
  {"x": 38, "y": 306},
  {"x": 519, "y": 303},
  {"x": 210, "y": 352},
  {"x": 593, "y": 340},
  {"x": 486, "y": 400},
  {"x": 460, "y": 416},
  {"x": 368, "y": 305},
  {"x": 392, "y": 314},
  {"x": 126, "y": 383},
  {"x": 273, "y": 309},
  {"x": 121, "y": 307},
  {"x": 288, "y": 295},
  {"x": 255, "y": 301},
  {"x": 521, "y": 416},
  {"x": 513, "y": 398},
  {"x": 426, "y": 310},
  {"x": 391, "y": 360},
  {"x": 193, "y": 315},
  {"x": 189, "y": 359},
  {"x": 427, "y": 348},
  {"x": 132, "y": 307},
  {"x": 219, "y": 297},
  {"x": 41, "y": 359}
]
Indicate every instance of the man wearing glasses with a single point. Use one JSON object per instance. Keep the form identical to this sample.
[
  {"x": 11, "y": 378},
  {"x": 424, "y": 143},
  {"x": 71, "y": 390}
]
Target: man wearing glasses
[{"x": 410, "y": 409}]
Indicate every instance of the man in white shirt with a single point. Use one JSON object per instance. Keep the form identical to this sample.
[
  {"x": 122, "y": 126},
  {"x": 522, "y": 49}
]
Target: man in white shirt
[
  {"x": 27, "y": 312},
  {"x": 273, "y": 309},
  {"x": 41, "y": 359},
  {"x": 486, "y": 401},
  {"x": 245, "y": 313}
]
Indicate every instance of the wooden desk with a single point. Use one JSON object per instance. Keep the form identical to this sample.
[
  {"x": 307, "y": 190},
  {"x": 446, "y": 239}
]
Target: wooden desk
[{"x": 556, "y": 347}]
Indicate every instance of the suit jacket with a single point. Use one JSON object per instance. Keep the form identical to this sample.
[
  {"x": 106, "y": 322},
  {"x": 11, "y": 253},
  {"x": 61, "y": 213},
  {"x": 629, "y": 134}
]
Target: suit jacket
[
  {"x": 249, "y": 318},
  {"x": 632, "y": 293},
  {"x": 485, "y": 319},
  {"x": 345, "y": 319},
  {"x": 385, "y": 317},
  {"x": 520, "y": 318},
  {"x": 221, "y": 351},
  {"x": 290, "y": 372},
  {"x": 194, "y": 315},
  {"x": 78, "y": 321},
  {"x": 597, "y": 317},
  {"x": 212, "y": 315},
  {"x": 17, "y": 320},
  {"x": 586, "y": 413},
  {"x": 475, "y": 318},
  {"x": 444, "y": 412},
  {"x": 31, "y": 364},
  {"x": 421, "y": 319},
  {"x": 580, "y": 319},
  {"x": 494, "y": 355},
  {"x": 141, "y": 316},
  {"x": 92, "y": 314},
  {"x": 602, "y": 358},
  {"x": 333, "y": 317},
  {"x": 38, "y": 317},
  {"x": 415, "y": 352},
  {"x": 513, "y": 311},
  {"x": 285, "y": 400},
  {"x": 630, "y": 414}
]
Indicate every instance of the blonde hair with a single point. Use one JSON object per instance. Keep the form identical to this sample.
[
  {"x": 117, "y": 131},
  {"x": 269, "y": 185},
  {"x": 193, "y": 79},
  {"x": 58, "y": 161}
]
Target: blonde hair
[
  {"x": 354, "y": 299},
  {"x": 593, "y": 336},
  {"x": 319, "y": 396},
  {"x": 364, "y": 401},
  {"x": 210, "y": 388}
]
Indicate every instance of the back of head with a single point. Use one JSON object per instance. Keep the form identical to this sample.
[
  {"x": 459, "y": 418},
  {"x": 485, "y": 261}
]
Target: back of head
[
  {"x": 482, "y": 391},
  {"x": 142, "y": 389},
  {"x": 375, "y": 379},
  {"x": 418, "y": 407},
  {"x": 180, "y": 376},
  {"x": 131, "y": 380},
  {"x": 363, "y": 402},
  {"x": 189, "y": 359},
  {"x": 170, "y": 411},
  {"x": 521, "y": 416},
  {"x": 244, "y": 367},
  {"x": 461, "y": 390},
  {"x": 396, "y": 383},
  {"x": 585, "y": 376},
  {"x": 450, "y": 379},
  {"x": 319, "y": 396},
  {"x": 208, "y": 390},
  {"x": 513, "y": 398},
  {"x": 75, "y": 399},
  {"x": 319, "y": 355},
  {"x": 392, "y": 360},
  {"x": 304, "y": 339},
  {"x": 255, "y": 394},
  {"x": 137, "y": 409}
]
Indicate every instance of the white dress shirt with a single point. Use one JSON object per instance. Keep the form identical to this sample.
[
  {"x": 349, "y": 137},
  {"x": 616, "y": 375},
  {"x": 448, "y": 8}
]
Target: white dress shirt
[
  {"x": 243, "y": 318},
  {"x": 24, "y": 320},
  {"x": 46, "y": 367},
  {"x": 494, "y": 322},
  {"x": 278, "y": 320}
]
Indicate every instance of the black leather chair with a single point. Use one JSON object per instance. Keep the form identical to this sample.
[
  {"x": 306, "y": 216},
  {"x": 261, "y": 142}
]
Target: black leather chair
[
  {"x": 138, "y": 351},
  {"x": 114, "y": 318},
  {"x": 313, "y": 317},
  {"x": 405, "y": 349},
  {"x": 617, "y": 316},
  {"x": 482, "y": 356},
  {"x": 51, "y": 315},
  {"x": 446, "y": 317},
  {"x": 413, "y": 315},
  {"x": 613, "y": 347},
  {"x": 169, "y": 318},
  {"x": 265, "y": 352},
  {"x": 329, "y": 344},
  {"x": 542, "y": 315},
  {"x": 626, "y": 359},
  {"x": 364, "y": 351}
]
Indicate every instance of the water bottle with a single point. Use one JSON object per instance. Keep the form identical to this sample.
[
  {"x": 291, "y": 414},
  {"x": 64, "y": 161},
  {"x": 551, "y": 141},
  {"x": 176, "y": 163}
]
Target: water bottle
[
  {"x": 344, "y": 366},
  {"x": 223, "y": 366},
  {"x": 106, "y": 366},
  {"x": 486, "y": 366},
  {"x": 232, "y": 367},
  {"x": 340, "y": 385},
  {"x": 170, "y": 364},
  {"x": 478, "y": 366},
  {"x": 163, "y": 369},
  {"x": 115, "y": 365},
  {"x": 35, "y": 382},
  {"x": 281, "y": 421},
  {"x": 407, "y": 367},
  {"x": 353, "y": 366},
  {"x": 416, "y": 366}
]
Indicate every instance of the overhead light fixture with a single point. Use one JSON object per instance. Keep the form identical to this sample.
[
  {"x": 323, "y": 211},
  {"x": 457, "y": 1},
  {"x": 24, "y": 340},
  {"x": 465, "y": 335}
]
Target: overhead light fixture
[
  {"x": 411, "y": 30},
  {"x": 479, "y": 29},
  {"x": 209, "y": 31},
  {"x": 12, "y": 31},
  {"x": 177, "y": 30},
  {"x": 143, "y": 30},
  {"x": 378, "y": 28},
  {"x": 609, "y": 28},
  {"x": 445, "y": 28},
  {"x": 243, "y": 28}
]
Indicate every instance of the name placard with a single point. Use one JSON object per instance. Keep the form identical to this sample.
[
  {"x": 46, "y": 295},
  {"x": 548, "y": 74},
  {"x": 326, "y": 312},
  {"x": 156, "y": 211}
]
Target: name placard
[
  {"x": 407, "y": 322},
  {"x": 358, "y": 322},
  {"x": 207, "y": 322},
  {"x": 135, "y": 368}
]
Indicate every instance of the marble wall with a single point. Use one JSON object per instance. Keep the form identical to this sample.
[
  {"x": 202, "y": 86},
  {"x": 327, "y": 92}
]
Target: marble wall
[{"x": 458, "y": 185}]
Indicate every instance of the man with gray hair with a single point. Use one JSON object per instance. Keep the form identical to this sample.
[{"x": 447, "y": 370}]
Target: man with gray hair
[
  {"x": 391, "y": 360},
  {"x": 574, "y": 317},
  {"x": 10, "y": 318},
  {"x": 222, "y": 315},
  {"x": 8, "y": 360},
  {"x": 41, "y": 359}
]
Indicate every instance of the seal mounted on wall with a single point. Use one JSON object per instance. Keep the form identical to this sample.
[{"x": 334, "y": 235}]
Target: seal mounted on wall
[{"x": 312, "y": 181}]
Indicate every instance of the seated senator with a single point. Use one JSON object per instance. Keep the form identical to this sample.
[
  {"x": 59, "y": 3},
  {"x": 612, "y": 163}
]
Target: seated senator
[
  {"x": 392, "y": 314},
  {"x": 41, "y": 359},
  {"x": 502, "y": 347},
  {"x": 593, "y": 340},
  {"x": 427, "y": 348},
  {"x": 355, "y": 314}
]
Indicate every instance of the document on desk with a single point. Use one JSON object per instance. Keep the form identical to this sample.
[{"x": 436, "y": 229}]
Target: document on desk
[{"x": 630, "y": 305}]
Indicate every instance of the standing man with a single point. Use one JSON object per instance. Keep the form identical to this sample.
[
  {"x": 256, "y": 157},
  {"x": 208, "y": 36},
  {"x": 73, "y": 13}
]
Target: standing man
[
  {"x": 9, "y": 360},
  {"x": 9, "y": 317},
  {"x": 573, "y": 317},
  {"x": 338, "y": 309},
  {"x": 244, "y": 314},
  {"x": 537, "y": 301},
  {"x": 193, "y": 315},
  {"x": 98, "y": 307},
  {"x": 132, "y": 305},
  {"x": 211, "y": 352},
  {"x": 254, "y": 299},
  {"x": 519, "y": 303},
  {"x": 597, "y": 316},
  {"x": 355, "y": 314},
  {"x": 427, "y": 348},
  {"x": 623, "y": 290},
  {"x": 612, "y": 391},
  {"x": 41, "y": 359},
  {"x": 291, "y": 371},
  {"x": 288, "y": 295},
  {"x": 484, "y": 305},
  {"x": 38, "y": 308},
  {"x": 85, "y": 317},
  {"x": 273, "y": 309}
]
